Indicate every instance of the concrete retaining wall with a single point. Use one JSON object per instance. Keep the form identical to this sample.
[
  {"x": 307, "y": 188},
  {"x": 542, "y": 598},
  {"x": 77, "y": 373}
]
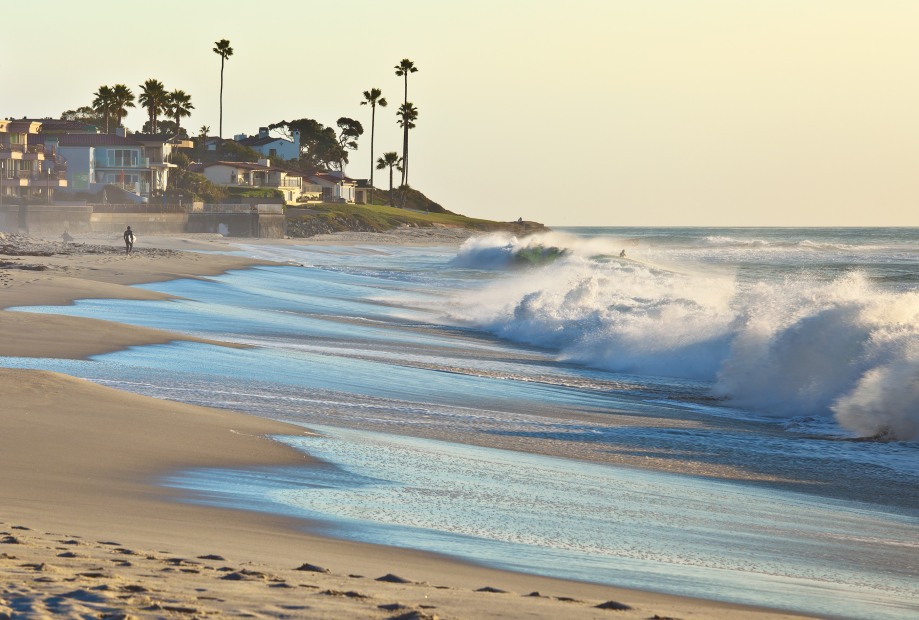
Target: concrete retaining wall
[
  {"x": 9, "y": 218},
  {"x": 144, "y": 223},
  {"x": 226, "y": 224},
  {"x": 53, "y": 220}
]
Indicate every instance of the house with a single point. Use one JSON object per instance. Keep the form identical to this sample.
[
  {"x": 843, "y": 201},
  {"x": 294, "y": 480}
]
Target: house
[
  {"x": 363, "y": 192},
  {"x": 262, "y": 174},
  {"x": 272, "y": 147},
  {"x": 136, "y": 163},
  {"x": 57, "y": 126},
  {"x": 28, "y": 170},
  {"x": 335, "y": 186}
]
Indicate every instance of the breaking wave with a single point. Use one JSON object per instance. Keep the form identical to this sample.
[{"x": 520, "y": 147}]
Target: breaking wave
[{"x": 784, "y": 347}]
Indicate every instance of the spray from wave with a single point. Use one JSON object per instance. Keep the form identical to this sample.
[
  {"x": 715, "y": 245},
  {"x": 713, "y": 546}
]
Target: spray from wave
[{"x": 784, "y": 348}]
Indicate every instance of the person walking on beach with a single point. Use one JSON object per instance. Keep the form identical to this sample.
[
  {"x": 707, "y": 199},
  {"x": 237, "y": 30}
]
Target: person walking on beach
[{"x": 128, "y": 240}]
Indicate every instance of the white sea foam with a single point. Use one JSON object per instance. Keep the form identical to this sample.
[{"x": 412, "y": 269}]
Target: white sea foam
[{"x": 792, "y": 347}]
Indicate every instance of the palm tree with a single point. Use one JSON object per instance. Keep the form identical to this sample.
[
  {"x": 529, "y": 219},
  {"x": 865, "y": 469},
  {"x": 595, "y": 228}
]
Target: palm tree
[
  {"x": 407, "y": 115},
  {"x": 202, "y": 135},
  {"x": 122, "y": 99},
  {"x": 222, "y": 48},
  {"x": 153, "y": 96},
  {"x": 103, "y": 103},
  {"x": 373, "y": 99},
  {"x": 178, "y": 106},
  {"x": 405, "y": 67},
  {"x": 390, "y": 160}
]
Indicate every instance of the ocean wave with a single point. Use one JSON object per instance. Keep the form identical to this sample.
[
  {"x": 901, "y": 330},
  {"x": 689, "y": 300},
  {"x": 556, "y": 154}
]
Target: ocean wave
[{"x": 797, "y": 347}]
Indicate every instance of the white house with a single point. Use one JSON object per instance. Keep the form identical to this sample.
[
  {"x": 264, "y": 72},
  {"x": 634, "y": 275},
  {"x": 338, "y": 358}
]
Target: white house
[
  {"x": 335, "y": 187},
  {"x": 270, "y": 146},
  {"x": 261, "y": 174}
]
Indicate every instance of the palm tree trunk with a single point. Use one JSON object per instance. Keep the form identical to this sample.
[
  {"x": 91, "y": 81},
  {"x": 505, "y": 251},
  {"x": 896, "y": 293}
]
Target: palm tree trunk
[
  {"x": 405, "y": 136},
  {"x": 221, "y": 102},
  {"x": 405, "y": 152},
  {"x": 373, "y": 120},
  {"x": 392, "y": 202}
]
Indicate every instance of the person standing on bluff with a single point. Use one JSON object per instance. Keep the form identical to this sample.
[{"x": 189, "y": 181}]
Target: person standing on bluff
[{"x": 128, "y": 240}]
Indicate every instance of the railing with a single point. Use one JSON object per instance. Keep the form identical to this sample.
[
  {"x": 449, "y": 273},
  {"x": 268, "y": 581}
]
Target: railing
[
  {"x": 140, "y": 208},
  {"x": 105, "y": 162},
  {"x": 231, "y": 208},
  {"x": 13, "y": 148}
]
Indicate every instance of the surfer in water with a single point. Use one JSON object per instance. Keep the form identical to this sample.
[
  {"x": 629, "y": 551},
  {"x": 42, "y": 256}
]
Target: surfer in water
[
  {"x": 128, "y": 240},
  {"x": 622, "y": 254}
]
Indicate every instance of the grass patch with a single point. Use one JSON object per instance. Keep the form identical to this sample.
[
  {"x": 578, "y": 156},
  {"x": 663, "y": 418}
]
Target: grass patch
[{"x": 326, "y": 218}]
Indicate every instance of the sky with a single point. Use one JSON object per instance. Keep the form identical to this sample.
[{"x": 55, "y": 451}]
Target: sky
[{"x": 576, "y": 113}]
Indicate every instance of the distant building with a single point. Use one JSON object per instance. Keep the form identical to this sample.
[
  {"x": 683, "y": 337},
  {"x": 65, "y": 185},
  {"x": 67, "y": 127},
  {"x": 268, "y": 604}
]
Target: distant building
[
  {"x": 335, "y": 186},
  {"x": 262, "y": 174},
  {"x": 270, "y": 146},
  {"x": 28, "y": 170},
  {"x": 138, "y": 163},
  {"x": 57, "y": 126}
]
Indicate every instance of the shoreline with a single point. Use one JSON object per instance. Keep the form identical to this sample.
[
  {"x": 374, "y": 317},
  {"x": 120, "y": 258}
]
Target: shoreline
[{"x": 84, "y": 461}]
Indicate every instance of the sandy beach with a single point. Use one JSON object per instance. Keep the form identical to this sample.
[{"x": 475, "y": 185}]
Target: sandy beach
[{"x": 86, "y": 531}]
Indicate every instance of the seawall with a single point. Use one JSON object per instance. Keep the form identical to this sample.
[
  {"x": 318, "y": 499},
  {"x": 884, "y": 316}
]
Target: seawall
[{"x": 262, "y": 221}]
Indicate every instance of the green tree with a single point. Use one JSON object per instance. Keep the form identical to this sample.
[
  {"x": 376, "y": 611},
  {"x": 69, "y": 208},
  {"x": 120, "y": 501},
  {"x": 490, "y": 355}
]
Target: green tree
[
  {"x": 349, "y": 131},
  {"x": 407, "y": 115},
  {"x": 123, "y": 99},
  {"x": 222, "y": 48},
  {"x": 153, "y": 97},
  {"x": 405, "y": 67},
  {"x": 178, "y": 106},
  {"x": 83, "y": 114},
  {"x": 319, "y": 146},
  {"x": 373, "y": 98},
  {"x": 104, "y": 104},
  {"x": 390, "y": 160}
]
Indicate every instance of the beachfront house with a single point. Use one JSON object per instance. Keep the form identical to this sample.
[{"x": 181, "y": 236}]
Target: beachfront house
[
  {"x": 263, "y": 174},
  {"x": 28, "y": 170},
  {"x": 135, "y": 163},
  {"x": 335, "y": 186},
  {"x": 272, "y": 147}
]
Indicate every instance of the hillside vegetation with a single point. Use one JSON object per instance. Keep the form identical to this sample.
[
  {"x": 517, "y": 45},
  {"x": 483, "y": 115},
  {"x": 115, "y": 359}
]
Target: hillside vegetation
[{"x": 328, "y": 218}]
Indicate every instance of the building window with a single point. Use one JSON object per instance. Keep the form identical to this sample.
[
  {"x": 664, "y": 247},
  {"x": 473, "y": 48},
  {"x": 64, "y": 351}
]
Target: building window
[{"x": 122, "y": 157}]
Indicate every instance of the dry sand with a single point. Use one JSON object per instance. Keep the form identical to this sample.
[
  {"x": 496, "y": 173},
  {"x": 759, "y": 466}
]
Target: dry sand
[{"x": 86, "y": 531}]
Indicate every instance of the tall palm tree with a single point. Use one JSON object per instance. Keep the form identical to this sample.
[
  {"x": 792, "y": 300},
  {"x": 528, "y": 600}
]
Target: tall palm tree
[
  {"x": 104, "y": 103},
  {"x": 373, "y": 98},
  {"x": 405, "y": 67},
  {"x": 390, "y": 160},
  {"x": 178, "y": 106},
  {"x": 153, "y": 96},
  {"x": 122, "y": 99},
  {"x": 222, "y": 48},
  {"x": 407, "y": 115}
]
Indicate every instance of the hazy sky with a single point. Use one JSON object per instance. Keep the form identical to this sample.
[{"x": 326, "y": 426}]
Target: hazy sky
[{"x": 585, "y": 112}]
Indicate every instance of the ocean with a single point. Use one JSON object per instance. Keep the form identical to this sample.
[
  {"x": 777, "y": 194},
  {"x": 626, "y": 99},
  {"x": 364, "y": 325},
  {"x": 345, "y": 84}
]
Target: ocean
[{"x": 725, "y": 413}]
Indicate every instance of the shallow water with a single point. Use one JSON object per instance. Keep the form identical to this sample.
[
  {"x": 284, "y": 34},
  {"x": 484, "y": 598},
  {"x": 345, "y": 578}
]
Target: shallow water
[{"x": 578, "y": 418}]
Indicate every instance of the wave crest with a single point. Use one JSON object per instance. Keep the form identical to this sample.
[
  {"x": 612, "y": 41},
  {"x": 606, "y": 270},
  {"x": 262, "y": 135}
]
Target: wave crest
[{"x": 792, "y": 348}]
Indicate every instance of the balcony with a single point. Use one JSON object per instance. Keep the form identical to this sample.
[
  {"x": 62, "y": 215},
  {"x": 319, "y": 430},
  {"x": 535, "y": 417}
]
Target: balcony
[
  {"x": 109, "y": 162},
  {"x": 28, "y": 178}
]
